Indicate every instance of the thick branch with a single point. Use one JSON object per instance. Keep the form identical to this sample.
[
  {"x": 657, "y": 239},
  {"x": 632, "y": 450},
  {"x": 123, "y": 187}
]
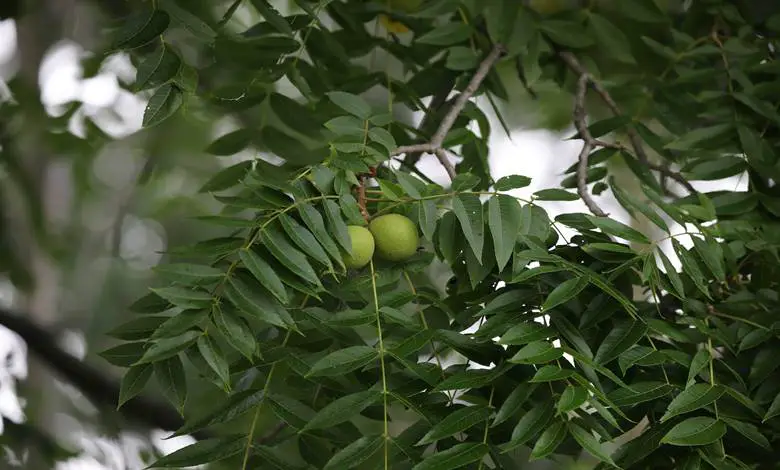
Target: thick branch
[
  {"x": 435, "y": 144},
  {"x": 90, "y": 381},
  {"x": 427, "y": 147},
  {"x": 636, "y": 142}
]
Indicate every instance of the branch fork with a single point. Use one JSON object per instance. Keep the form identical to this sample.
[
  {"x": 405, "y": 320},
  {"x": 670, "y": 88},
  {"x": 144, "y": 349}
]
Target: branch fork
[
  {"x": 589, "y": 143},
  {"x": 580, "y": 122},
  {"x": 435, "y": 145}
]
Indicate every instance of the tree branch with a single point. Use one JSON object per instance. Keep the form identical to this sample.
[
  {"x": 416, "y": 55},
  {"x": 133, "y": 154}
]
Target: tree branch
[
  {"x": 580, "y": 122},
  {"x": 435, "y": 144},
  {"x": 91, "y": 382},
  {"x": 636, "y": 142}
]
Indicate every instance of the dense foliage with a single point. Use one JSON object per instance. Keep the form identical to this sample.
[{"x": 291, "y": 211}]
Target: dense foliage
[{"x": 538, "y": 346}]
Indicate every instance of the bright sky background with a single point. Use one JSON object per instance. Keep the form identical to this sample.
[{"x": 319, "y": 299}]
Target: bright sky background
[{"x": 541, "y": 155}]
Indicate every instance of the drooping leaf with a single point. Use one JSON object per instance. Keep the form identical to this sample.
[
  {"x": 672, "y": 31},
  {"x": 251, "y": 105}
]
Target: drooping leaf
[
  {"x": 698, "y": 431},
  {"x": 141, "y": 28},
  {"x": 525, "y": 333},
  {"x": 619, "y": 229},
  {"x": 572, "y": 398},
  {"x": 350, "y": 103},
  {"x": 343, "y": 361},
  {"x": 291, "y": 411},
  {"x": 235, "y": 330},
  {"x": 513, "y": 403},
  {"x": 170, "y": 376},
  {"x": 774, "y": 409},
  {"x": 590, "y": 444},
  {"x": 455, "y": 422},
  {"x": 253, "y": 302},
  {"x": 530, "y": 424},
  {"x": 468, "y": 210},
  {"x": 551, "y": 438},
  {"x": 620, "y": 338},
  {"x": 550, "y": 373},
  {"x": 124, "y": 355},
  {"x": 264, "y": 273},
  {"x": 289, "y": 256},
  {"x": 446, "y": 35},
  {"x": 184, "y": 297},
  {"x": 314, "y": 221},
  {"x": 305, "y": 240},
  {"x": 202, "y": 452},
  {"x": 700, "y": 360},
  {"x": 749, "y": 431},
  {"x": 138, "y": 328},
  {"x": 343, "y": 409},
  {"x": 227, "y": 177},
  {"x": 272, "y": 16},
  {"x": 537, "y": 352},
  {"x": 691, "y": 399},
  {"x": 168, "y": 347},
  {"x": 504, "y": 223},
  {"x": 188, "y": 20},
  {"x": 157, "y": 68},
  {"x": 456, "y": 456},
  {"x": 162, "y": 105},
  {"x": 230, "y": 143},
  {"x": 356, "y": 453},
  {"x": 214, "y": 358},
  {"x": 611, "y": 38},
  {"x": 565, "y": 291},
  {"x": 671, "y": 273},
  {"x": 336, "y": 225},
  {"x": 133, "y": 382}
]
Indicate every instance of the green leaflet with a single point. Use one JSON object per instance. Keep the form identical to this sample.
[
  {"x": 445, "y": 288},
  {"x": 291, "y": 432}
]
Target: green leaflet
[
  {"x": 468, "y": 210},
  {"x": 692, "y": 398},
  {"x": 698, "y": 431}
]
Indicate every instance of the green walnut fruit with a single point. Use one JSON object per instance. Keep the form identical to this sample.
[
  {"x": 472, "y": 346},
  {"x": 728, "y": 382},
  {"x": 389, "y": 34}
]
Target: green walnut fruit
[
  {"x": 395, "y": 237},
  {"x": 362, "y": 247}
]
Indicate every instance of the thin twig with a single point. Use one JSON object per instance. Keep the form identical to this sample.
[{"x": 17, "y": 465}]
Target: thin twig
[
  {"x": 636, "y": 142},
  {"x": 362, "y": 198},
  {"x": 673, "y": 175},
  {"x": 229, "y": 13},
  {"x": 580, "y": 122},
  {"x": 463, "y": 98},
  {"x": 435, "y": 144}
]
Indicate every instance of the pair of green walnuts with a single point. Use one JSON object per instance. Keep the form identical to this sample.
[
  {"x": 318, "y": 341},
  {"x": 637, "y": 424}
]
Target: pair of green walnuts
[{"x": 393, "y": 237}]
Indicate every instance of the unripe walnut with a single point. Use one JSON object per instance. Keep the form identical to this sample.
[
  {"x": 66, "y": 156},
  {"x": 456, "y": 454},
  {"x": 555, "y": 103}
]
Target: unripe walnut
[
  {"x": 362, "y": 247},
  {"x": 395, "y": 237}
]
